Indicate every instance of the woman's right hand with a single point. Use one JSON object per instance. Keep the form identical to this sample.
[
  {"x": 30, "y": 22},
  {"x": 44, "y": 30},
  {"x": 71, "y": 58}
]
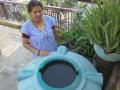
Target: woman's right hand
[{"x": 43, "y": 53}]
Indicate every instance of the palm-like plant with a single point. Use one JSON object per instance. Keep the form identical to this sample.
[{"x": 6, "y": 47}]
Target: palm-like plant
[{"x": 102, "y": 25}]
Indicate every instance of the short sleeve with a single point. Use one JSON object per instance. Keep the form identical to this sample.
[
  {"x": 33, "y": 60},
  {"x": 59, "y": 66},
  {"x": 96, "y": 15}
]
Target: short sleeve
[
  {"x": 24, "y": 29},
  {"x": 53, "y": 21}
]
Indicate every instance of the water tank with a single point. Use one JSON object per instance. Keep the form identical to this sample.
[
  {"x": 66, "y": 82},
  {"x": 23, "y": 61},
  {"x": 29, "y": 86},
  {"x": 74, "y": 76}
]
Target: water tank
[{"x": 60, "y": 70}]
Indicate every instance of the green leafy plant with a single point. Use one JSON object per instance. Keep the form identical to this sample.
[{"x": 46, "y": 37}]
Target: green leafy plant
[
  {"x": 102, "y": 25},
  {"x": 75, "y": 39},
  {"x": 25, "y": 13},
  {"x": 77, "y": 42}
]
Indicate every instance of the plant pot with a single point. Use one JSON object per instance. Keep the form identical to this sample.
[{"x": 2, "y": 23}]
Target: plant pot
[{"x": 110, "y": 57}]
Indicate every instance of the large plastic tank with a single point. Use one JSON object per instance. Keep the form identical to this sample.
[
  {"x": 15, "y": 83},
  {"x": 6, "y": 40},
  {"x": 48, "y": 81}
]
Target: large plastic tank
[{"x": 61, "y": 70}]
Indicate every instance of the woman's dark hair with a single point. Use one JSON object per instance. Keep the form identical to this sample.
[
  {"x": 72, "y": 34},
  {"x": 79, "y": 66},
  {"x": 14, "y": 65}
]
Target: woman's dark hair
[{"x": 33, "y": 3}]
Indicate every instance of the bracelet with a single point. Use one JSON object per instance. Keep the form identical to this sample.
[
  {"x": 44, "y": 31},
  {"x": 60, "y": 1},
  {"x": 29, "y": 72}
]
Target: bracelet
[{"x": 38, "y": 52}]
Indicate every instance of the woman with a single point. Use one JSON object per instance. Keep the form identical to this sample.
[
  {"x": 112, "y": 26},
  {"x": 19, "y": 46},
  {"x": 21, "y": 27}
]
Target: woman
[{"x": 39, "y": 33}]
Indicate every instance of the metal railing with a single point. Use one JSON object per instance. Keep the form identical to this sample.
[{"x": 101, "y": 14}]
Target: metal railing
[{"x": 13, "y": 11}]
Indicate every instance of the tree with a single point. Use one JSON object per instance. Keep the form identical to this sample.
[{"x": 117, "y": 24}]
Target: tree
[
  {"x": 69, "y": 3},
  {"x": 60, "y": 3},
  {"x": 51, "y": 2}
]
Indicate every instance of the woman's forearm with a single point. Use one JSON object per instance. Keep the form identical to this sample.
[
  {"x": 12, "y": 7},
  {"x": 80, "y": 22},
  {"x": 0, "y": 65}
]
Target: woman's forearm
[{"x": 31, "y": 49}]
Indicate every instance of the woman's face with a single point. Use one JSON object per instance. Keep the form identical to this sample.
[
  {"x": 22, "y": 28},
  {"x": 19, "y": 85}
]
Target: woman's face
[{"x": 36, "y": 13}]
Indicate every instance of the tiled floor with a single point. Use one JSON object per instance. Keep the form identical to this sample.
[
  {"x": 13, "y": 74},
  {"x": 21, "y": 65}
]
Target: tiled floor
[{"x": 14, "y": 56}]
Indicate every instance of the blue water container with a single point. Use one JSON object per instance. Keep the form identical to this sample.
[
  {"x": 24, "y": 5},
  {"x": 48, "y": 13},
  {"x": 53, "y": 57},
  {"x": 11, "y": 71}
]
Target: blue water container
[{"x": 60, "y": 70}]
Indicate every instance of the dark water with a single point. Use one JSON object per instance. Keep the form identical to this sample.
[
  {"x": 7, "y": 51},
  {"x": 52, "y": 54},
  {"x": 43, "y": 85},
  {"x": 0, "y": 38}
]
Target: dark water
[{"x": 58, "y": 74}]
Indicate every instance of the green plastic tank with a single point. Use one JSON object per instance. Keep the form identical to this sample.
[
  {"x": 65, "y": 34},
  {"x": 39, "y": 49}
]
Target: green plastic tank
[{"x": 60, "y": 70}]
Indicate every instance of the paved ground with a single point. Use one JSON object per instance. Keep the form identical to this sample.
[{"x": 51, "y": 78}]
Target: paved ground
[{"x": 14, "y": 56}]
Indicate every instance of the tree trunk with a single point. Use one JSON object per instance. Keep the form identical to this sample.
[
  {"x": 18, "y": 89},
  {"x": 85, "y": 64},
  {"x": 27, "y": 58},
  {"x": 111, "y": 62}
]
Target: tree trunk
[
  {"x": 109, "y": 73},
  {"x": 114, "y": 81}
]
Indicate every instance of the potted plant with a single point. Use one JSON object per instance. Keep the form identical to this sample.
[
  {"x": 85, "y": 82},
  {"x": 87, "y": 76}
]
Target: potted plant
[
  {"x": 102, "y": 25},
  {"x": 75, "y": 39}
]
